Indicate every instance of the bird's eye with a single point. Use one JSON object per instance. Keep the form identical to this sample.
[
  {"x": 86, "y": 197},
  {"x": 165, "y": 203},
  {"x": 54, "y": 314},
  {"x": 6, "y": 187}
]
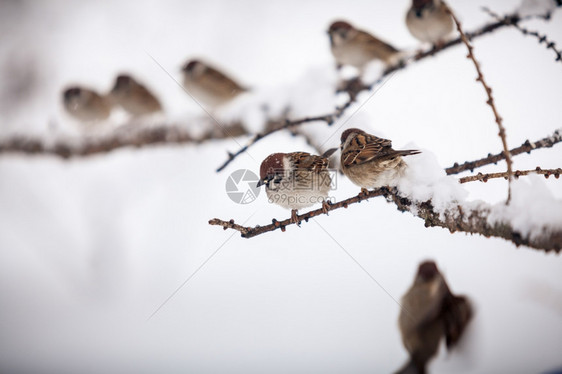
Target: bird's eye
[
  {"x": 72, "y": 92},
  {"x": 191, "y": 66}
]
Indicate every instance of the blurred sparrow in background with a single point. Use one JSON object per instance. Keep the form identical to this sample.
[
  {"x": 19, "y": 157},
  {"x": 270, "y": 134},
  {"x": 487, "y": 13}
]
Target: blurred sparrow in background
[
  {"x": 208, "y": 85},
  {"x": 369, "y": 161},
  {"x": 429, "y": 312},
  {"x": 357, "y": 48},
  {"x": 428, "y": 21},
  {"x": 296, "y": 180},
  {"x": 86, "y": 105},
  {"x": 133, "y": 97}
]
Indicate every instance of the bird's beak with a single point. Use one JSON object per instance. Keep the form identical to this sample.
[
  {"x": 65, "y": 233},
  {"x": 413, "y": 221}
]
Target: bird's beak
[{"x": 263, "y": 181}]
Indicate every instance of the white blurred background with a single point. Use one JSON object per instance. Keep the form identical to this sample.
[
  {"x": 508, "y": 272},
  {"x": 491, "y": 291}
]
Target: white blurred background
[{"x": 90, "y": 248}]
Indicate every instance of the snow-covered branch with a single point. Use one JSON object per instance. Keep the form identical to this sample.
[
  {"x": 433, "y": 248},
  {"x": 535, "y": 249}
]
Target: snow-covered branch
[
  {"x": 476, "y": 218},
  {"x": 67, "y": 148},
  {"x": 161, "y": 135},
  {"x": 526, "y": 147}
]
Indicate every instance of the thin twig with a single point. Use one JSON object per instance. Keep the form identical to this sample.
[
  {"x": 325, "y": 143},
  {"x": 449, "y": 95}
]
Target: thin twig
[
  {"x": 309, "y": 140},
  {"x": 517, "y": 173},
  {"x": 526, "y": 147},
  {"x": 457, "y": 218},
  {"x": 329, "y": 119},
  {"x": 490, "y": 101},
  {"x": 540, "y": 37}
]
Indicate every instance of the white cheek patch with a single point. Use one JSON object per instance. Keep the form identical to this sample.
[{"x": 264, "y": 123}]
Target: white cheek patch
[
  {"x": 347, "y": 141},
  {"x": 285, "y": 164}
]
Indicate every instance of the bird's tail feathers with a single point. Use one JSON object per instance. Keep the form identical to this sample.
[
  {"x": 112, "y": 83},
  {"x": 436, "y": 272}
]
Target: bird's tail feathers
[
  {"x": 408, "y": 152},
  {"x": 329, "y": 152},
  {"x": 458, "y": 313}
]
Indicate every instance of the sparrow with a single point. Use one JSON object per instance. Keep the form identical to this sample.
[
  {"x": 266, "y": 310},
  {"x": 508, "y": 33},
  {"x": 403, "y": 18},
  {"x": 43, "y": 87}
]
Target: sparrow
[
  {"x": 429, "y": 312},
  {"x": 351, "y": 46},
  {"x": 296, "y": 180},
  {"x": 133, "y": 97},
  {"x": 429, "y": 21},
  {"x": 369, "y": 161},
  {"x": 86, "y": 105},
  {"x": 208, "y": 85}
]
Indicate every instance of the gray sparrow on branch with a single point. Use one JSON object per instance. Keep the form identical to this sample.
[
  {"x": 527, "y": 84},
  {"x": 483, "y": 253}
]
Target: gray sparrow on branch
[
  {"x": 296, "y": 180},
  {"x": 208, "y": 85},
  {"x": 429, "y": 313},
  {"x": 369, "y": 161},
  {"x": 134, "y": 97},
  {"x": 429, "y": 21},
  {"x": 351, "y": 46},
  {"x": 86, "y": 105}
]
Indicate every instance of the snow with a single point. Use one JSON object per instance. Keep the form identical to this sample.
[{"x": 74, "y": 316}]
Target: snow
[
  {"x": 536, "y": 8},
  {"x": 424, "y": 180},
  {"x": 531, "y": 216},
  {"x": 90, "y": 248}
]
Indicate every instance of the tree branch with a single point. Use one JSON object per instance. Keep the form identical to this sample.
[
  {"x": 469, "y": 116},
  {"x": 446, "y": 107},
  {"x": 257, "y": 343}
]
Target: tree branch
[
  {"x": 329, "y": 119},
  {"x": 541, "y": 38},
  {"x": 456, "y": 219},
  {"x": 526, "y": 147},
  {"x": 67, "y": 148},
  {"x": 517, "y": 173},
  {"x": 82, "y": 147},
  {"x": 249, "y": 232},
  {"x": 490, "y": 101}
]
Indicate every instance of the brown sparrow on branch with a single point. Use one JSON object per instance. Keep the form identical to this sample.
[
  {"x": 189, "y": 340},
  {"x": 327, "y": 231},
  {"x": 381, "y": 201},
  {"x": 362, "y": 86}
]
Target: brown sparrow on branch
[
  {"x": 296, "y": 180},
  {"x": 428, "y": 21},
  {"x": 133, "y": 97},
  {"x": 429, "y": 312},
  {"x": 351, "y": 46},
  {"x": 86, "y": 105},
  {"x": 369, "y": 161},
  {"x": 208, "y": 85}
]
